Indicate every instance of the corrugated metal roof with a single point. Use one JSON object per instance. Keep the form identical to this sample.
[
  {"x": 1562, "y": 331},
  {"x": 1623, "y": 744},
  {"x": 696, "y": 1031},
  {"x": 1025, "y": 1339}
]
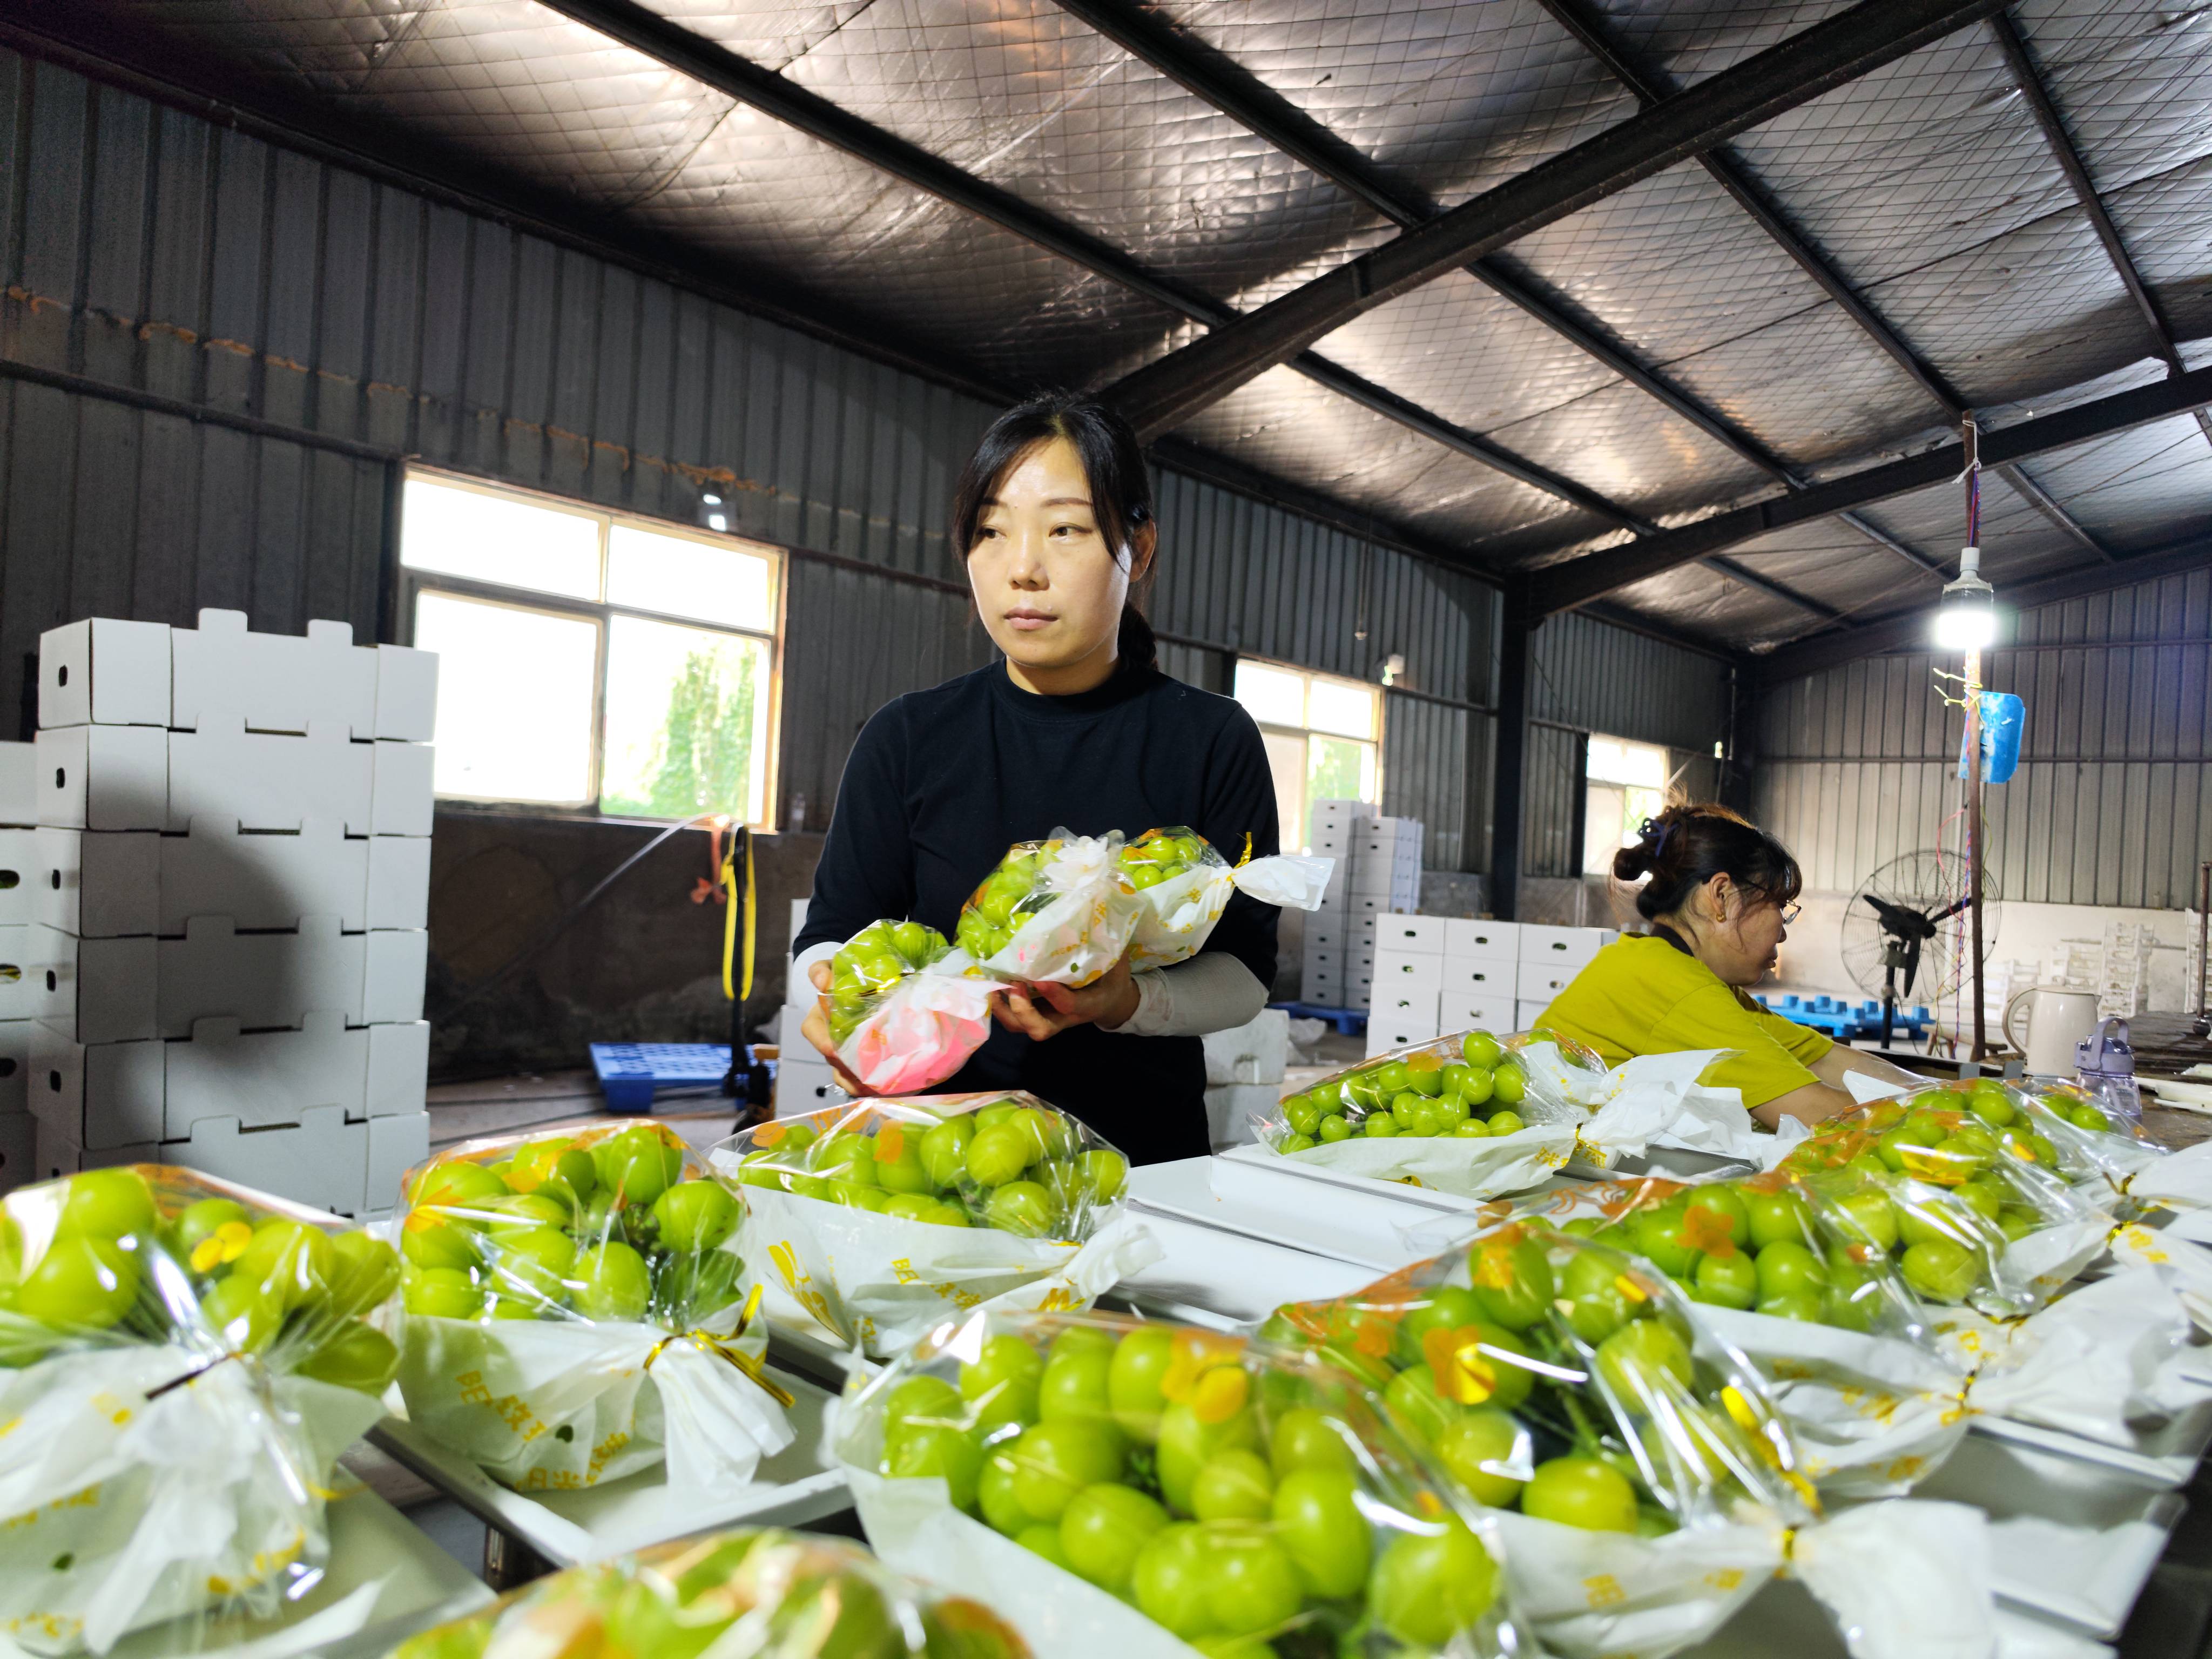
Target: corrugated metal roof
[{"x": 1926, "y": 186}]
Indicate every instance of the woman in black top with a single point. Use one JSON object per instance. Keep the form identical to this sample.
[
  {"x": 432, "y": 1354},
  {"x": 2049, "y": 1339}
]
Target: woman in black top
[{"x": 1078, "y": 729}]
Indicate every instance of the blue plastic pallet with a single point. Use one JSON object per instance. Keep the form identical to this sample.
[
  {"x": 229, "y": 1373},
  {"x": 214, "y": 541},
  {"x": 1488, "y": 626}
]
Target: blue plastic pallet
[
  {"x": 632, "y": 1073},
  {"x": 1349, "y": 1022},
  {"x": 1843, "y": 1021}
]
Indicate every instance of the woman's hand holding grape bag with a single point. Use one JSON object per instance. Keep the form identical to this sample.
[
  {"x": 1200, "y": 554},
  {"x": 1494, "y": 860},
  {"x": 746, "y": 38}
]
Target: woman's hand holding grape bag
[{"x": 905, "y": 1009}]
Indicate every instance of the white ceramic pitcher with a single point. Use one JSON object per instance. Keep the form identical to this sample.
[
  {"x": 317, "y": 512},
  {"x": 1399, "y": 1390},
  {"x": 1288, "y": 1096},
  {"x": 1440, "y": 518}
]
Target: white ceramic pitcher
[{"x": 2050, "y": 1023}]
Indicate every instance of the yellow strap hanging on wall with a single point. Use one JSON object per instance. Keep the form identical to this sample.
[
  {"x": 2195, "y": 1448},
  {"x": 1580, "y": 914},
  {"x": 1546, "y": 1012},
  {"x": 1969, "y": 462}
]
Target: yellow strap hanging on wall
[{"x": 730, "y": 988}]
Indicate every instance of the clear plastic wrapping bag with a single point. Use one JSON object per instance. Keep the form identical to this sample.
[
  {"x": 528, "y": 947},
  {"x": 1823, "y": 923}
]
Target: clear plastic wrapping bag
[
  {"x": 879, "y": 1218},
  {"x": 1646, "y": 1481},
  {"x": 1124, "y": 1489},
  {"x": 1060, "y": 909},
  {"x": 737, "y": 1595},
  {"x": 181, "y": 1362},
  {"x": 1847, "y": 1350},
  {"x": 1971, "y": 1213},
  {"x": 905, "y": 1009},
  {"x": 1183, "y": 884},
  {"x": 575, "y": 1312}
]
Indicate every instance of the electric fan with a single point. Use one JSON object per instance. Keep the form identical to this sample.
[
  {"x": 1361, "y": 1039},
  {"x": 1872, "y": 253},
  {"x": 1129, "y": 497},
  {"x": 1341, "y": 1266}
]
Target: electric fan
[{"x": 1899, "y": 932}]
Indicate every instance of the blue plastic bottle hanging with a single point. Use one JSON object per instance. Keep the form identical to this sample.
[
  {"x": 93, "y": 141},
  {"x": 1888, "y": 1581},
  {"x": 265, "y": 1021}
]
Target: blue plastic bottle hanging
[{"x": 2003, "y": 717}]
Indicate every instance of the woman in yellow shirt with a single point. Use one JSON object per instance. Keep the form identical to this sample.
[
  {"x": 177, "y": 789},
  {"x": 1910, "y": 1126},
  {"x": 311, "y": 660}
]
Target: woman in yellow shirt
[{"x": 1721, "y": 895}]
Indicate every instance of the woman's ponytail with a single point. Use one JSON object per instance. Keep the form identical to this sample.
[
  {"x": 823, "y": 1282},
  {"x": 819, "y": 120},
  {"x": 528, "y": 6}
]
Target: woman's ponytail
[
  {"x": 1686, "y": 847},
  {"x": 1135, "y": 644}
]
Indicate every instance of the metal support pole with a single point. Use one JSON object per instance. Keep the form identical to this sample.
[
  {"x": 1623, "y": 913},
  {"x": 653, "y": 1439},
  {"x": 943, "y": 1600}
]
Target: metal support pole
[
  {"x": 2203, "y": 1026},
  {"x": 1508, "y": 799},
  {"x": 1974, "y": 843}
]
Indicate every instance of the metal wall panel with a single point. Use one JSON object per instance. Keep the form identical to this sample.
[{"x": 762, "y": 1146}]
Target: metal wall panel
[
  {"x": 2113, "y": 803},
  {"x": 1555, "y": 760},
  {"x": 1585, "y": 673}
]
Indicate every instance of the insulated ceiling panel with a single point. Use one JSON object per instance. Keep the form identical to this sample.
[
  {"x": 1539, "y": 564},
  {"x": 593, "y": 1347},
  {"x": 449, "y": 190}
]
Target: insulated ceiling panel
[
  {"x": 2137, "y": 490},
  {"x": 2133, "y": 79},
  {"x": 1671, "y": 265},
  {"x": 1447, "y": 95},
  {"x": 1632, "y": 450},
  {"x": 1704, "y": 602},
  {"x": 1930, "y": 155},
  {"x": 2017, "y": 543},
  {"x": 1679, "y": 43},
  {"x": 1829, "y": 560},
  {"x": 1459, "y": 348},
  {"x": 2035, "y": 310},
  {"x": 1286, "y": 424},
  {"x": 1812, "y": 387},
  {"x": 2166, "y": 223},
  {"x": 1021, "y": 93}
]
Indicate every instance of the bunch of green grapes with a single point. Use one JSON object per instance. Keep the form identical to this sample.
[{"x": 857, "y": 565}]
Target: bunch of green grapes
[
  {"x": 795, "y": 1596},
  {"x": 609, "y": 1225},
  {"x": 1552, "y": 1374},
  {"x": 1159, "y": 855},
  {"x": 1228, "y": 1502},
  {"x": 1755, "y": 1243},
  {"x": 1013, "y": 1164},
  {"x": 871, "y": 963},
  {"x": 1941, "y": 1184},
  {"x": 1008, "y": 897},
  {"x": 1423, "y": 1093},
  {"x": 119, "y": 1250}
]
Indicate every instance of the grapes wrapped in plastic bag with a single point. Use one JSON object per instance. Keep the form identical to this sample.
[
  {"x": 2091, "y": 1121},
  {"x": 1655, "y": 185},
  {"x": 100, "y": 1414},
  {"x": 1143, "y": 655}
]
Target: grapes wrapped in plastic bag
[
  {"x": 573, "y": 1313},
  {"x": 181, "y": 1362},
  {"x": 878, "y": 1218},
  {"x": 2109, "y": 1154},
  {"x": 905, "y": 1009},
  {"x": 1060, "y": 909},
  {"x": 1970, "y": 1214},
  {"x": 1130, "y": 1490},
  {"x": 1847, "y": 1350},
  {"x": 1183, "y": 884},
  {"x": 1646, "y": 1483},
  {"x": 745, "y": 1594},
  {"x": 1478, "y": 1117}
]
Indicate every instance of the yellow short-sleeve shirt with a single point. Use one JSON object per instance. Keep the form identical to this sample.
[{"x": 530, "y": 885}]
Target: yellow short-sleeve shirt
[{"x": 1641, "y": 995}]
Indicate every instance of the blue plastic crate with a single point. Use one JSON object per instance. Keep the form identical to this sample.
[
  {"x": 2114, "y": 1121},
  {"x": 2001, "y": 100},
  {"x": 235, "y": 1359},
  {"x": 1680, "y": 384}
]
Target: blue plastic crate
[{"x": 632, "y": 1073}]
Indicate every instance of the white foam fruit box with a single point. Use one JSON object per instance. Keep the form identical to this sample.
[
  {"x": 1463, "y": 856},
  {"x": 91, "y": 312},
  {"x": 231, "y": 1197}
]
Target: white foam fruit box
[
  {"x": 1482, "y": 976},
  {"x": 1416, "y": 935},
  {"x": 350, "y": 1168},
  {"x": 1565, "y": 947},
  {"x": 106, "y": 1094},
  {"x": 1528, "y": 1015},
  {"x": 111, "y": 885},
  {"x": 15, "y": 1067},
  {"x": 1470, "y": 937},
  {"x": 1462, "y": 1014},
  {"x": 103, "y": 672},
  {"x": 1401, "y": 969},
  {"x": 803, "y": 1085},
  {"x": 1257, "y": 1052},
  {"x": 19, "y": 785},
  {"x": 123, "y": 990},
  {"x": 1233, "y": 1110},
  {"x": 1540, "y": 981}
]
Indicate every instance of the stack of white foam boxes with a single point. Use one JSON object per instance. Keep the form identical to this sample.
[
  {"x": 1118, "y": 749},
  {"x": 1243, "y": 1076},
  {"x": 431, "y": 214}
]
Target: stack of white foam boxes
[
  {"x": 18, "y": 868},
  {"x": 1378, "y": 873},
  {"x": 803, "y": 1078},
  {"x": 1435, "y": 976},
  {"x": 230, "y": 878}
]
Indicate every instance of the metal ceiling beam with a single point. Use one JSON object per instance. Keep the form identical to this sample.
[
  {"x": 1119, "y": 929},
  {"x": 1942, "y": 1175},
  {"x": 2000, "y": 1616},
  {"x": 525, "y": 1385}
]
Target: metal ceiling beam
[
  {"x": 676, "y": 47},
  {"x": 1219, "y": 80},
  {"x": 1580, "y": 21},
  {"x": 1563, "y": 587},
  {"x": 1168, "y": 391},
  {"x": 2060, "y": 142},
  {"x": 1901, "y": 632}
]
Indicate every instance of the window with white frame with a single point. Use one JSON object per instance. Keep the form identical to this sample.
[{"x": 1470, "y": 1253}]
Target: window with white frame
[
  {"x": 1625, "y": 783},
  {"x": 1322, "y": 735},
  {"x": 589, "y": 661}
]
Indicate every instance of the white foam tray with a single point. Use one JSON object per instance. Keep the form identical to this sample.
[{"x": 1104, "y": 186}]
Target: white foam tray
[
  {"x": 1228, "y": 1281},
  {"x": 387, "y": 1579},
  {"x": 1783, "y": 1618},
  {"x": 2165, "y": 1459},
  {"x": 801, "y": 1483},
  {"x": 2072, "y": 1541},
  {"x": 1238, "y": 1197}
]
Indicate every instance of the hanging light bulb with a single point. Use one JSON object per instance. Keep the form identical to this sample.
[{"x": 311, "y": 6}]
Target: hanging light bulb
[{"x": 1966, "y": 617}]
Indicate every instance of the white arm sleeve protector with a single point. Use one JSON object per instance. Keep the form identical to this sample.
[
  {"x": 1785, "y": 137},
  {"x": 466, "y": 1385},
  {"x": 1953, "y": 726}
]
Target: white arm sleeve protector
[{"x": 1211, "y": 992}]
